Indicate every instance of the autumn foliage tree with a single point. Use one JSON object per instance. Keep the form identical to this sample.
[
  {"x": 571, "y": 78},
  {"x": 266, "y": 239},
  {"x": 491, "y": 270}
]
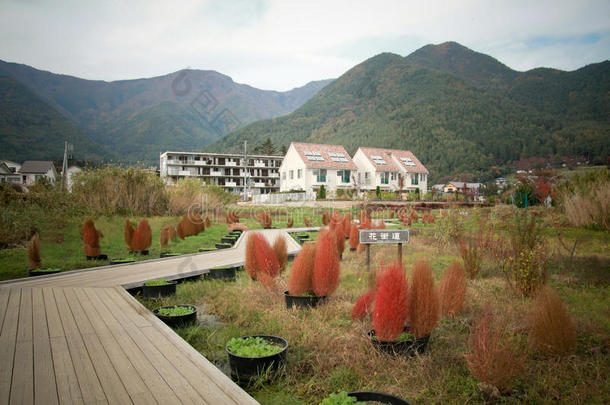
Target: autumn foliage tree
[
  {"x": 452, "y": 290},
  {"x": 34, "y": 252},
  {"x": 325, "y": 278},
  {"x": 422, "y": 306},
  {"x": 551, "y": 330},
  {"x": 142, "y": 237},
  {"x": 300, "y": 279},
  {"x": 390, "y": 311}
]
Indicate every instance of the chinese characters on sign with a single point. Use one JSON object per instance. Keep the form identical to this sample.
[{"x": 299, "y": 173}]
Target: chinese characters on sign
[{"x": 384, "y": 236}]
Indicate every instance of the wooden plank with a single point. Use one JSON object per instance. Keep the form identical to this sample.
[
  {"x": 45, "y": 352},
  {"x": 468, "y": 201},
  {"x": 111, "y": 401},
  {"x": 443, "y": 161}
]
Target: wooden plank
[
  {"x": 22, "y": 386},
  {"x": 8, "y": 340},
  {"x": 174, "y": 347},
  {"x": 68, "y": 389},
  {"x": 137, "y": 390},
  {"x": 45, "y": 387},
  {"x": 153, "y": 380},
  {"x": 4, "y": 294},
  {"x": 170, "y": 374},
  {"x": 90, "y": 387},
  {"x": 112, "y": 385}
]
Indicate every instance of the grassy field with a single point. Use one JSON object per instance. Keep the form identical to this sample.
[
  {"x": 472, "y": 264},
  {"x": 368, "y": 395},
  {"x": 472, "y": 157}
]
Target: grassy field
[{"x": 330, "y": 353}]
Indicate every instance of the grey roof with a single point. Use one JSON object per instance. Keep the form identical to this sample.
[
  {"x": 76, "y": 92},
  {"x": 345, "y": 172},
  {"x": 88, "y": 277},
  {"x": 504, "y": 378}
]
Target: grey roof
[
  {"x": 460, "y": 184},
  {"x": 36, "y": 166},
  {"x": 4, "y": 169}
]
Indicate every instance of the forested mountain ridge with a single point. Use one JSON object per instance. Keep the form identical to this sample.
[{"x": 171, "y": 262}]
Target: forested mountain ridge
[
  {"x": 457, "y": 110},
  {"x": 140, "y": 118}
]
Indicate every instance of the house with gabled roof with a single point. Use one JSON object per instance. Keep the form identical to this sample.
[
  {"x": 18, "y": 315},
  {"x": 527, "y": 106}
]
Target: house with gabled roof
[
  {"x": 34, "y": 170},
  {"x": 308, "y": 166},
  {"x": 385, "y": 168}
]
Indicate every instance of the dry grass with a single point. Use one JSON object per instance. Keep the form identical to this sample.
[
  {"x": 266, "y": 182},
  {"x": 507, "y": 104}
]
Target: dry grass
[{"x": 591, "y": 207}]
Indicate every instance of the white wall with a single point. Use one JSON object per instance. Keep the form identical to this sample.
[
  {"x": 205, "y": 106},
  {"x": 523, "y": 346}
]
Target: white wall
[{"x": 292, "y": 161}]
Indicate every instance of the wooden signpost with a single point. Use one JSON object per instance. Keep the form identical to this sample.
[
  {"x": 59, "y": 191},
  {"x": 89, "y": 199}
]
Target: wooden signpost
[{"x": 370, "y": 236}]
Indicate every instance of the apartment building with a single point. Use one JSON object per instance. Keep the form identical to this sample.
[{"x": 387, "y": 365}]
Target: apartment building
[
  {"x": 308, "y": 166},
  {"x": 260, "y": 172}
]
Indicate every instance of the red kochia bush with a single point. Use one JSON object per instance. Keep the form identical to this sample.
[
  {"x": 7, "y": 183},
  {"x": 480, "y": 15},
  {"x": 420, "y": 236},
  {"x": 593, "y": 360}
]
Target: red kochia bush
[
  {"x": 326, "y": 264},
  {"x": 91, "y": 237},
  {"x": 250, "y": 264},
  {"x": 347, "y": 223},
  {"x": 128, "y": 233},
  {"x": 363, "y": 305},
  {"x": 452, "y": 290},
  {"x": 260, "y": 257},
  {"x": 307, "y": 221},
  {"x": 340, "y": 239},
  {"x": 299, "y": 282},
  {"x": 164, "y": 237},
  {"x": 142, "y": 236},
  {"x": 208, "y": 223},
  {"x": 390, "y": 312},
  {"x": 34, "y": 252},
  {"x": 423, "y": 300},
  {"x": 353, "y": 237},
  {"x": 552, "y": 331},
  {"x": 325, "y": 218},
  {"x": 180, "y": 231},
  {"x": 281, "y": 252},
  {"x": 289, "y": 223}
]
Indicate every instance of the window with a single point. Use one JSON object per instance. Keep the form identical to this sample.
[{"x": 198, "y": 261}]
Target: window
[
  {"x": 320, "y": 175},
  {"x": 393, "y": 178},
  {"x": 283, "y": 175},
  {"x": 291, "y": 174},
  {"x": 422, "y": 177},
  {"x": 385, "y": 177},
  {"x": 299, "y": 173},
  {"x": 414, "y": 179},
  {"x": 344, "y": 174}
]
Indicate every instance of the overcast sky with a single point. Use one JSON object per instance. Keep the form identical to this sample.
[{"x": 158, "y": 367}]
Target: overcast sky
[{"x": 279, "y": 45}]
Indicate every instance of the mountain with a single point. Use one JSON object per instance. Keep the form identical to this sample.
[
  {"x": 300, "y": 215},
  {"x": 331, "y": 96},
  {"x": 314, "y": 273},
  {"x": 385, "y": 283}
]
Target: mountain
[
  {"x": 457, "y": 110},
  {"x": 137, "y": 119},
  {"x": 32, "y": 129}
]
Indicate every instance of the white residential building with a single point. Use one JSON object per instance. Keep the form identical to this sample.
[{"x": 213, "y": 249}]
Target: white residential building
[
  {"x": 308, "y": 166},
  {"x": 224, "y": 169},
  {"x": 33, "y": 170},
  {"x": 386, "y": 167}
]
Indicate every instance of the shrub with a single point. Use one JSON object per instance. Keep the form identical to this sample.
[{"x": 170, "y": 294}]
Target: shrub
[
  {"x": 307, "y": 221},
  {"x": 128, "y": 233},
  {"x": 340, "y": 239},
  {"x": 250, "y": 262},
  {"x": 449, "y": 228},
  {"x": 91, "y": 238},
  {"x": 164, "y": 238},
  {"x": 321, "y": 193},
  {"x": 390, "y": 311},
  {"x": 551, "y": 330},
  {"x": 347, "y": 223},
  {"x": 264, "y": 219},
  {"x": 180, "y": 231},
  {"x": 325, "y": 278},
  {"x": 452, "y": 290},
  {"x": 300, "y": 279},
  {"x": 589, "y": 207},
  {"x": 281, "y": 252},
  {"x": 413, "y": 216},
  {"x": 142, "y": 236},
  {"x": 353, "y": 237},
  {"x": 325, "y": 218},
  {"x": 422, "y": 306},
  {"x": 192, "y": 224},
  {"x": 490, "y": 359},
  {"x": 34, "y": 252},
  {"x": 265, "y": 260},
  {"x": 471, "y": 253},
  {"x": 289, "y": 223},
  {"x": 208, "y": 223},
  {"x": 363, "y": 305}
]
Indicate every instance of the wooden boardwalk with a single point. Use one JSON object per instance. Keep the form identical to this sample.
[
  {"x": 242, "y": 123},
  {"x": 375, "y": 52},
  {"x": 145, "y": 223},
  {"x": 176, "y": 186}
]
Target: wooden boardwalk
[{"x": 79, "y": 337}]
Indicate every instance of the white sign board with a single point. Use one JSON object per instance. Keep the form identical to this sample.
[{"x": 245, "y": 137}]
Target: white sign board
[{"x": 367, "y": 236}]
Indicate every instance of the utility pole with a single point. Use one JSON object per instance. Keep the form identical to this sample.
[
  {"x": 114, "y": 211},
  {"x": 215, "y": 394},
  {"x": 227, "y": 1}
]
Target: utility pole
[
  {"x": 68, "y": 147},
  {"x": 245, "y": 170}
]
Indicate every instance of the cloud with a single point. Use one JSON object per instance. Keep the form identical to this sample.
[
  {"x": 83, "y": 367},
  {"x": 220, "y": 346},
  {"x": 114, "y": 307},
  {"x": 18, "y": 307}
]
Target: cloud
[{"x": 280, "y": 44}]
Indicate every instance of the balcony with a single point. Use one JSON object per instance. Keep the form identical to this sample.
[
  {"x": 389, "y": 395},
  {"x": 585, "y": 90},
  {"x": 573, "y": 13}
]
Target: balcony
[
  {"x": 216, "y": 173},
  {"x": 184, "y": 173},
  {"x": 274, "y": 175},
  {"x": 257, "y": 184},
  {"x": 230, "y": 184},
  {"x": 259, "y": 164},
  {"x": 230, "y": 163}
]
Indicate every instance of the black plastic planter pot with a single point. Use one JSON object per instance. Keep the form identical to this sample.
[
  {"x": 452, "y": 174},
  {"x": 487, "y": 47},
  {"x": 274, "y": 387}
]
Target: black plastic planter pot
[
  {"x": 43, "y": 271},
  {"x": 352, "y": 249},
  {"x": 302, "y": 301},
  {"x": 377, "y": 397},
  {"x": 223, "y": 273},
  {"x": 405, "y": 348},
  {"x": 100, "y": 257},
  {"x": 159, "y": 291},
  {"x": 121, "y": 261},
  {"x": 228, "y": 239},
  {"x": 178, "y": 320},
  {"x": 210, "y": 249},
  {"x": 169, "y": 254},
  {"x": 246, "y": 368},
  {"x": 223, "y": 245},
  {"x": 236, "y": 232}
]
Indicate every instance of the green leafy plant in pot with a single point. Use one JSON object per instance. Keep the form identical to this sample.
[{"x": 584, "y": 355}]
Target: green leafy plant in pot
[{"x": 256, "y": 355}]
